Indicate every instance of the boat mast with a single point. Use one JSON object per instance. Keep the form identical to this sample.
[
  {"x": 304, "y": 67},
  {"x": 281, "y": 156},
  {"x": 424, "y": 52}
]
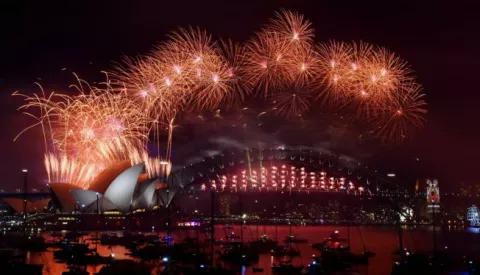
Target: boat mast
[
  {"x": 434, "y": 229},
  {"x": 212, "y": 225},
  {"x": 400, "y": 234},
  {"x": 241, "y": 217}
]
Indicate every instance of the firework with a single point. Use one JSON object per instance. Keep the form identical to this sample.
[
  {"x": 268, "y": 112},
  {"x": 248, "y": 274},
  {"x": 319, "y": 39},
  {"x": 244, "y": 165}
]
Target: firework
[
  {"x": 198, "y": 73},
  {"x": 186, "y": 72},
  {"x": 362, "y": 76},
  {"x": 403, "y": 117},
  {"x": 191, "y": 72},
  {"x": 85, "y": 133},
  {"x": 282, "y": 178},
  {"x": 62, "y": 169},
  {"x": 292, "y": 27},
  {"x": 155, "y": 167},
  {"x": 384, "y": 72},
  {"x": 234, "y": 55},
  {"x": 304, "y": 66},
  {"x": 280, "y": 54},
  {"x": 267, "y": 66},
  {"x": 293, "y": 101},
  {"x": 337, "y": 68}
]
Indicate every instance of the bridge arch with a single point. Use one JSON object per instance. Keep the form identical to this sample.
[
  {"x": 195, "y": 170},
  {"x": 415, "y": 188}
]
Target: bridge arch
[{"x": 229, "y": 162}]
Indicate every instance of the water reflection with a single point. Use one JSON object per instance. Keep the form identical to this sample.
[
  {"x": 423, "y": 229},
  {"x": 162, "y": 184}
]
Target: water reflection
[
  {"x": 381, "y": 240},
  {"x": 474, "y": 230}
]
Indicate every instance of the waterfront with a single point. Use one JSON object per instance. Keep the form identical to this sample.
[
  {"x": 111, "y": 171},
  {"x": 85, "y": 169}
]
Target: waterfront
[{"x": 381, "y": 240}]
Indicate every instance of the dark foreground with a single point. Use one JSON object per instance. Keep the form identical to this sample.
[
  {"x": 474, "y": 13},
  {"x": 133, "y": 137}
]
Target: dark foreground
[{"x": 383, "y": 242}]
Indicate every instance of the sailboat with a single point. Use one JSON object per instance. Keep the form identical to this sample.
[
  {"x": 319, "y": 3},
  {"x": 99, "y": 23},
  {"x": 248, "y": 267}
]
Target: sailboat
[
  {"x": 263, "y": 244},
  {"x": 284, "y": 251},
  {"x": 286, "y": 267},
  {"x": 292, "y": 238},
  {"x": 333, "y": 242}
]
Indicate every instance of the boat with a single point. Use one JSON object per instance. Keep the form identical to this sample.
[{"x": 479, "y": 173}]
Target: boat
[
  {"x": 333, "y": 243},
  {"x": 286, "y": 267},
  {"x": 293, "y": 239},
  {"x": 129, "y": 239},
  {"x": 111, "y": 239},
  {"x": 282, "y": 251},
  {"x": 91, "y": 259},
  {"x": 149, "y": 251},
  {"x": 264, "y": 244},
  {"x": 75, "y": 270},
  {"x": 231, "y": 239},
  {"x": 126, "y": 267},
  {"x": 228, "y": 243},
  {"x": 336, "y": 254},
  {"x": 71, "y": 250}
]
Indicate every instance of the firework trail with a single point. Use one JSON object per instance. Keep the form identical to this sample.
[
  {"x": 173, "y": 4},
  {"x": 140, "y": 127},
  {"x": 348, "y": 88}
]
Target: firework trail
[
  {"x": 87, "y": 132},
  {"x": 401, "y": 118}
]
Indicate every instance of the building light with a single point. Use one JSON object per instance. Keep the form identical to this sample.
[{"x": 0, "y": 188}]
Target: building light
[{"x": 111, "y": 212}]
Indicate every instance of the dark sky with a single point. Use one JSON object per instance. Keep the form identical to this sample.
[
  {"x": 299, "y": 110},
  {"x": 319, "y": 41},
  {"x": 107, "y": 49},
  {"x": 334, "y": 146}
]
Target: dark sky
[{"x": 440, "y": 39}]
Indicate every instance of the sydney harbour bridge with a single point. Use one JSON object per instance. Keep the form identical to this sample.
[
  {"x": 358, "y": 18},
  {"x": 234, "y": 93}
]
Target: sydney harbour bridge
[
  {"x": 268, "y": 177},
  {"x": 266, "y": 170},
  {"x": 283, "y": 170}
]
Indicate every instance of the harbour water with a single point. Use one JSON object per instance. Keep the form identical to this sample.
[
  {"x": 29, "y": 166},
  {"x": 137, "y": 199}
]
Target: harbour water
[{"x": 383, "y": 241}]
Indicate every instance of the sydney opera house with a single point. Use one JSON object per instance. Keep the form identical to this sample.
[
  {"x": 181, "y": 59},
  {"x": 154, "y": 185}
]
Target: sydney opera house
[{"x": 121, "y": 187}]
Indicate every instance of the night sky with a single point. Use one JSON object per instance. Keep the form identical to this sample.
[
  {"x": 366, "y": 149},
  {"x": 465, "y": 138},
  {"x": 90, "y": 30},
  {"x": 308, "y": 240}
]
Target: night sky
[{"x": 440, "y": 40}]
